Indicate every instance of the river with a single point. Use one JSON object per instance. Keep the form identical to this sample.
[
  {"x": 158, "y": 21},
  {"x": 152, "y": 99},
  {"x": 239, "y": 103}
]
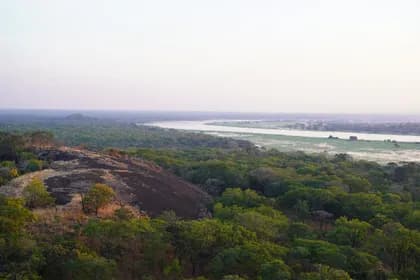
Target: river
[{"x": 206, "y": 127}]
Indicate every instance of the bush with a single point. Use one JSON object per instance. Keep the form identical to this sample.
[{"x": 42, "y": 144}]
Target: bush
[
  {"x": 36, "y": 195},
  {"x": 34, "y": 165},
  {"x": 98, "y": 196}
]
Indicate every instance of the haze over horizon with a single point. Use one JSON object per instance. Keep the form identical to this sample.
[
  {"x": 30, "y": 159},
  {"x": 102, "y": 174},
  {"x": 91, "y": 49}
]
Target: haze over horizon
[{"x": 304, "y": 56}]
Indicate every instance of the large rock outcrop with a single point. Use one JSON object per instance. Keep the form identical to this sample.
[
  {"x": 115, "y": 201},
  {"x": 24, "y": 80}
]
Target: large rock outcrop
[{"x": 138, "y": 183}]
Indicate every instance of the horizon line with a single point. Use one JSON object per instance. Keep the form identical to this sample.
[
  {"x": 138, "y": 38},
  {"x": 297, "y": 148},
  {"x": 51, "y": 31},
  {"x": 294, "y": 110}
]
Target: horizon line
[{"x": 205, "y": 111}]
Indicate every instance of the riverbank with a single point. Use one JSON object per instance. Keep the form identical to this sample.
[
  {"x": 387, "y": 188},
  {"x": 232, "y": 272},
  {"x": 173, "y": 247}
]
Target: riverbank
[{"x": 368, "y": 147}]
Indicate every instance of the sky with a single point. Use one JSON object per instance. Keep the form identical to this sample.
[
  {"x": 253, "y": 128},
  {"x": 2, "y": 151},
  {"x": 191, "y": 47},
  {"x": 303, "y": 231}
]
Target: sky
[{"x": 325, "y": 56}]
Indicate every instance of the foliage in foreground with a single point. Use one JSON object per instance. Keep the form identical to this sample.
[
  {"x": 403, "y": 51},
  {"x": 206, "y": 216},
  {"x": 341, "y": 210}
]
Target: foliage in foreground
[
  {"x": 247, "y": 239},
  {"x": 291, "y": 216},
  {"x": 36, "y": 195}
]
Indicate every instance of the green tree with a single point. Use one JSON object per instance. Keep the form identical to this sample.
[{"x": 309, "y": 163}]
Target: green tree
[
  {"x": 319, "y": 251},
  {"x": 123, "y": 213},
  {"x": 357, "y": 184},
  {"x": 248, "y": 259},
  {"x": 300, "y": 230},
  {"x": 360, "y": 265},
  {"x": 197, "y": 242},
  {"x": 36, "y": 195},
  {"x": 275, "y": 270},
  {"x": 243, "y": 198},
  {"x": 363, "y": 206},
  {"x": 97, "y": 197},
  {"x": 302, "y": 210},
  {"x": 19, "y": 256},
  {"x": 233, "y": 277},
  {"x": 139, "y": 245},
  {"x": 413, "y": 220},
  {"x": 41, "y": 139},
  {"x": 350, "y": 232},
  {"x": 87, "y": 267},
  {"x": 401, "y": 246},
  {"x": 10, "y": 146},
  {"x": 266, "y": 222},
  {"x": 317, "y": 199},
  {"x": 13, "y": 173},
  {"x": 326, "y": 273},
  {"x": 33, "y": 165},
  {"x": 173, "y": 270}
]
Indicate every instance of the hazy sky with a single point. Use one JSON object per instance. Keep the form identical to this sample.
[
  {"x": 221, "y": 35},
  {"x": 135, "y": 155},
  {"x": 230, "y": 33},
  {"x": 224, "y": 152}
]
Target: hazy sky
[{"x": 359, "y": 56}]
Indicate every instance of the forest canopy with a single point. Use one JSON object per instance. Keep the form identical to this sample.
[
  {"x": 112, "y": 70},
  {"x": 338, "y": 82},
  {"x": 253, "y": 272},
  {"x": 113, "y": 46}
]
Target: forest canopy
[{"x": 273, "y": 216}]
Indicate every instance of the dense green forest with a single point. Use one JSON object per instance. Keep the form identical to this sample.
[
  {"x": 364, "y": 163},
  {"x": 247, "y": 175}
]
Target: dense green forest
[
  {"x": 274, "y": 215},
  {"x": 98, "y": 134}
]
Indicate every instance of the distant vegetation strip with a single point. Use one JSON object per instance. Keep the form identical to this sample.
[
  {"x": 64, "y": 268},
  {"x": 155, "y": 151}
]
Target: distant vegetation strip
[
  {"x": 100, "y": 134},
  {"x": 406, "y": 128}
]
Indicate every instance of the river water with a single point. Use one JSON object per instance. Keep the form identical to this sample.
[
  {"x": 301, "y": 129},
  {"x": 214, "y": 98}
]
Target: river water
[{"x": 206, "y": 127}]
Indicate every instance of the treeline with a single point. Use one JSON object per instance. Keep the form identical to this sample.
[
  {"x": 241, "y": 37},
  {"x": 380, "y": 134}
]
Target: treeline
[
  {"x": 403, "y": 128},
  {"x": 18, "y": 153},
  {"x": 274, "y": 173},
  {"x": 99, "y": 134},
  {"x": 408, "y": 128}
]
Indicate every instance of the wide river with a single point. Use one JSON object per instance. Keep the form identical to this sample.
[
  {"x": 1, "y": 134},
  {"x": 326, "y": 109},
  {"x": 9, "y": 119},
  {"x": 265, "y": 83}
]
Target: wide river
[{"x": 206, "y": 127}]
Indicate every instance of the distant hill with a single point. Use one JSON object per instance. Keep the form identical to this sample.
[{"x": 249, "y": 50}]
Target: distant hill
[{"x": 78, "y": 117}]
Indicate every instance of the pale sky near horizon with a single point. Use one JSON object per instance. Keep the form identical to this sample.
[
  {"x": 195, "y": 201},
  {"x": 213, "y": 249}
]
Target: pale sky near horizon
[{"x": 329, "y": 56}]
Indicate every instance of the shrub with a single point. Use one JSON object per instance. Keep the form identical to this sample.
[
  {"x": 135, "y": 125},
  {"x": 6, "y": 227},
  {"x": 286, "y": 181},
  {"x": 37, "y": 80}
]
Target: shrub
[
  {"x": 36, "y": 195},
  {"x": 98, "y": 196}
]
